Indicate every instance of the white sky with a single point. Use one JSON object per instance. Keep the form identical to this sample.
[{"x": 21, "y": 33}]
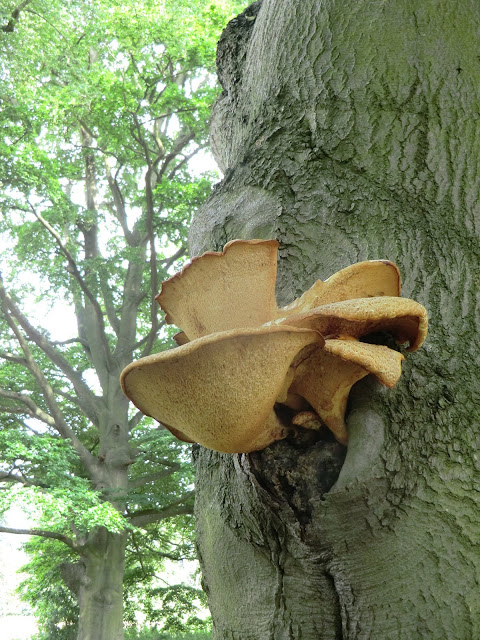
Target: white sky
[{"x": 18, "y": 625}]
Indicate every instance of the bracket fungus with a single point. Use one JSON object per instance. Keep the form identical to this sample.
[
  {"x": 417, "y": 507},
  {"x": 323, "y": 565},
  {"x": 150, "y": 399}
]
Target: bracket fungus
[{"x": 241, "y": 358}]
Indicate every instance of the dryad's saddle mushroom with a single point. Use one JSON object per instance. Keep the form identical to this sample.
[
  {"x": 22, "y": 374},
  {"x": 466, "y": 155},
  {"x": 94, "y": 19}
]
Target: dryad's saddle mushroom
[{"x": 241, "y": 357}]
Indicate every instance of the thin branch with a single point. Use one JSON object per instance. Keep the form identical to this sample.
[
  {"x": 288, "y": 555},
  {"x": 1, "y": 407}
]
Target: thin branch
[
  {"x": 119, "y": 208},
  {"x": 182, "y": 506},
  {"x": 153, "y": 256},
  {"x": 131, "y": 300},
  {"x": 109, "y": 305},
  {"x": 162, "y": 554},
  {"x": 28, "y": 427},
  {"x": 158, "y": 141},
  {"x": 44, "y": 534},
  {"x": 51, "y": 24},
  {"x": 153, "y": 477},
  {"x": 149, "y": 516},
  {"x": 148, "y": 341},
  {"x": 30, "y": 408},
  {"x": 139, "y": 554},
  {"x": 13, "y": 477},
  {"x": 81, "y": 341},
  {"x": 141, "y": 140},
  {"x": 185, "y": 159},
  {"x": 22, "y": 411},
  {"x": 83, "y": 285},
  {"x": 20, "y": 478},
  {"x": 150, "y": 176},
  {"x": 10, "y": 26},
  {"x": 90, "y": 235},
  {"x": 183, "y": 139},
  {"x": 172, "y": 113},
  {"x": 151, "y": 334},
  {"x": 90, "y": 403},
  {"x": 87, "y": 129},
  {"x": 137, "y": 418},
  {"x": 176, "y": 256},
  {"x": 67, "y": 396},
  {"x": 89, "y": 461},
  {"x": 12, "y": 358}
]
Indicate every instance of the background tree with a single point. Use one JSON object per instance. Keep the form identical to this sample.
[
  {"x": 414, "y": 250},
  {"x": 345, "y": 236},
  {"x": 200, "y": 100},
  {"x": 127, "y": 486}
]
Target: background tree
[
  {"x": 103, "y": 109},
  {"x": 349, "y": 131}
]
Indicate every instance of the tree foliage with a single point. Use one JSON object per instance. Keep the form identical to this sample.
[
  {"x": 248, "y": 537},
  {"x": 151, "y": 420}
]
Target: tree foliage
[{"x": 104, "y": 108}]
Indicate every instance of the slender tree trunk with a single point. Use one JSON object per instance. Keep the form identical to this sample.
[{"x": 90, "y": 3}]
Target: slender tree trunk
[
  {"x": 101, "y": 569},
  {"x": 350, "y": 131}
]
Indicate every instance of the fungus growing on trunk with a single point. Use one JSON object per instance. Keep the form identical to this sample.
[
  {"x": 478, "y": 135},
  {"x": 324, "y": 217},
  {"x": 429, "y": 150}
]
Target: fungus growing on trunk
[{"x": 241, "y": 357}]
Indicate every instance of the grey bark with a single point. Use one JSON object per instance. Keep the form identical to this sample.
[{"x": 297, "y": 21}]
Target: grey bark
[
  {"x": 102, "y": 554},
  {"x": 350, "y": 131},
  {"x": 100, "y": 593}
]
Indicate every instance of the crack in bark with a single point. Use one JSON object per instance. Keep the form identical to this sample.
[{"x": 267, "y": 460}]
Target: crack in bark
[{"x": 340, "y": 627}]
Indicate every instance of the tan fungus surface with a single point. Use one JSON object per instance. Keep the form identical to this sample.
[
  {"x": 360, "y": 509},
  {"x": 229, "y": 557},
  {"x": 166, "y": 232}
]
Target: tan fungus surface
[
  {"x": 239, "y": 354},
  {"x": 405, "y": 319},
  {"x": 219, "y": 390},
  {"x": 222, "y": 291},
  {"x": 367, "y": 279}
]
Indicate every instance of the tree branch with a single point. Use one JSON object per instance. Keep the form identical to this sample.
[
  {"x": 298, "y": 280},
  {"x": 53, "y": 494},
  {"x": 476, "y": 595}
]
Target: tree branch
[
  {"x": 135, "y": 420},
  {"x": 150, "y": 177},
  {"x": 183, "y": 139},
  {"x": 81, "y": 341},
  {"x": 148, "y": 341},
  {"x": 90, "y": 235},
  {"x": 13, "y": 477},
  {"x": 10, "y": 26},
  {"x": 89, "y": 461},
  {"x": 176, "y": 256},
  {"x": 131, "y": 299},
  {"x": 149, "y": 338},
  {"x": 184, "y": 161},
  {"x": 119, "y": 205},
  {"x": 44, "y": 534},
  {"x": 83, "y": 285},
  {"x": 12, "y": 358},
  {"x": 31, "y": 408},
  {"x": 153, "y": 477},
  {"x": 177, "y": 508},
  {"x": 90, "y": 403},
  {"x": 156, "y": 552}
]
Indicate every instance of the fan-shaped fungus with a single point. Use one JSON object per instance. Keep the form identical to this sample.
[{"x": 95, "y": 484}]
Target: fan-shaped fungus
[{"x": 240, "y": 355}]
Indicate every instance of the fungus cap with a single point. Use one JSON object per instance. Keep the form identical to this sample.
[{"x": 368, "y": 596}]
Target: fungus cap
[
  {"x": 371, "y": 278},
  {"x": 240, "y": 355},
  {"x": 219, "y": 390},
  {"x": 224, "y": 290},
  {"x": 405, "y": 319},
  {"x": 327, "y": 375}
]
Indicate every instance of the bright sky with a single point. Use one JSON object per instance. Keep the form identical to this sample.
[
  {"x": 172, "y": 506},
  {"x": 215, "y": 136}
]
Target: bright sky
[{"x": 17, "y": 625}]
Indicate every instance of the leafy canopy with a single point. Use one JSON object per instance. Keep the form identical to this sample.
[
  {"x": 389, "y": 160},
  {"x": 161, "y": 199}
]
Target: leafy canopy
[{"x": 103, "y": 116}]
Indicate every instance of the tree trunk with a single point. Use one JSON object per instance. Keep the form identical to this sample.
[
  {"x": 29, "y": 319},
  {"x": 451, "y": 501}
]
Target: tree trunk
[
  {"x": 101, "y": 570},
  {"x": 101, "y": 587},
  {"x": 350, "y": 131}
]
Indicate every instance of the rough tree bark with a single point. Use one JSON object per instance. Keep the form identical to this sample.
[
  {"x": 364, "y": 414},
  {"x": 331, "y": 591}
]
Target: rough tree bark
[{"x": 350, "y": 131}]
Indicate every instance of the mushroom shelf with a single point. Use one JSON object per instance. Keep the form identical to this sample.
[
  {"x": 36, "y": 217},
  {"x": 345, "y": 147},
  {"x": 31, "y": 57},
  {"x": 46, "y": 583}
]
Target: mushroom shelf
[{"x": 241, "y": 357}]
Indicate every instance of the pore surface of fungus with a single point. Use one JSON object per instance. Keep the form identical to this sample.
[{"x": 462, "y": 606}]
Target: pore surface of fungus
[{"x": 241, "y": 357}]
